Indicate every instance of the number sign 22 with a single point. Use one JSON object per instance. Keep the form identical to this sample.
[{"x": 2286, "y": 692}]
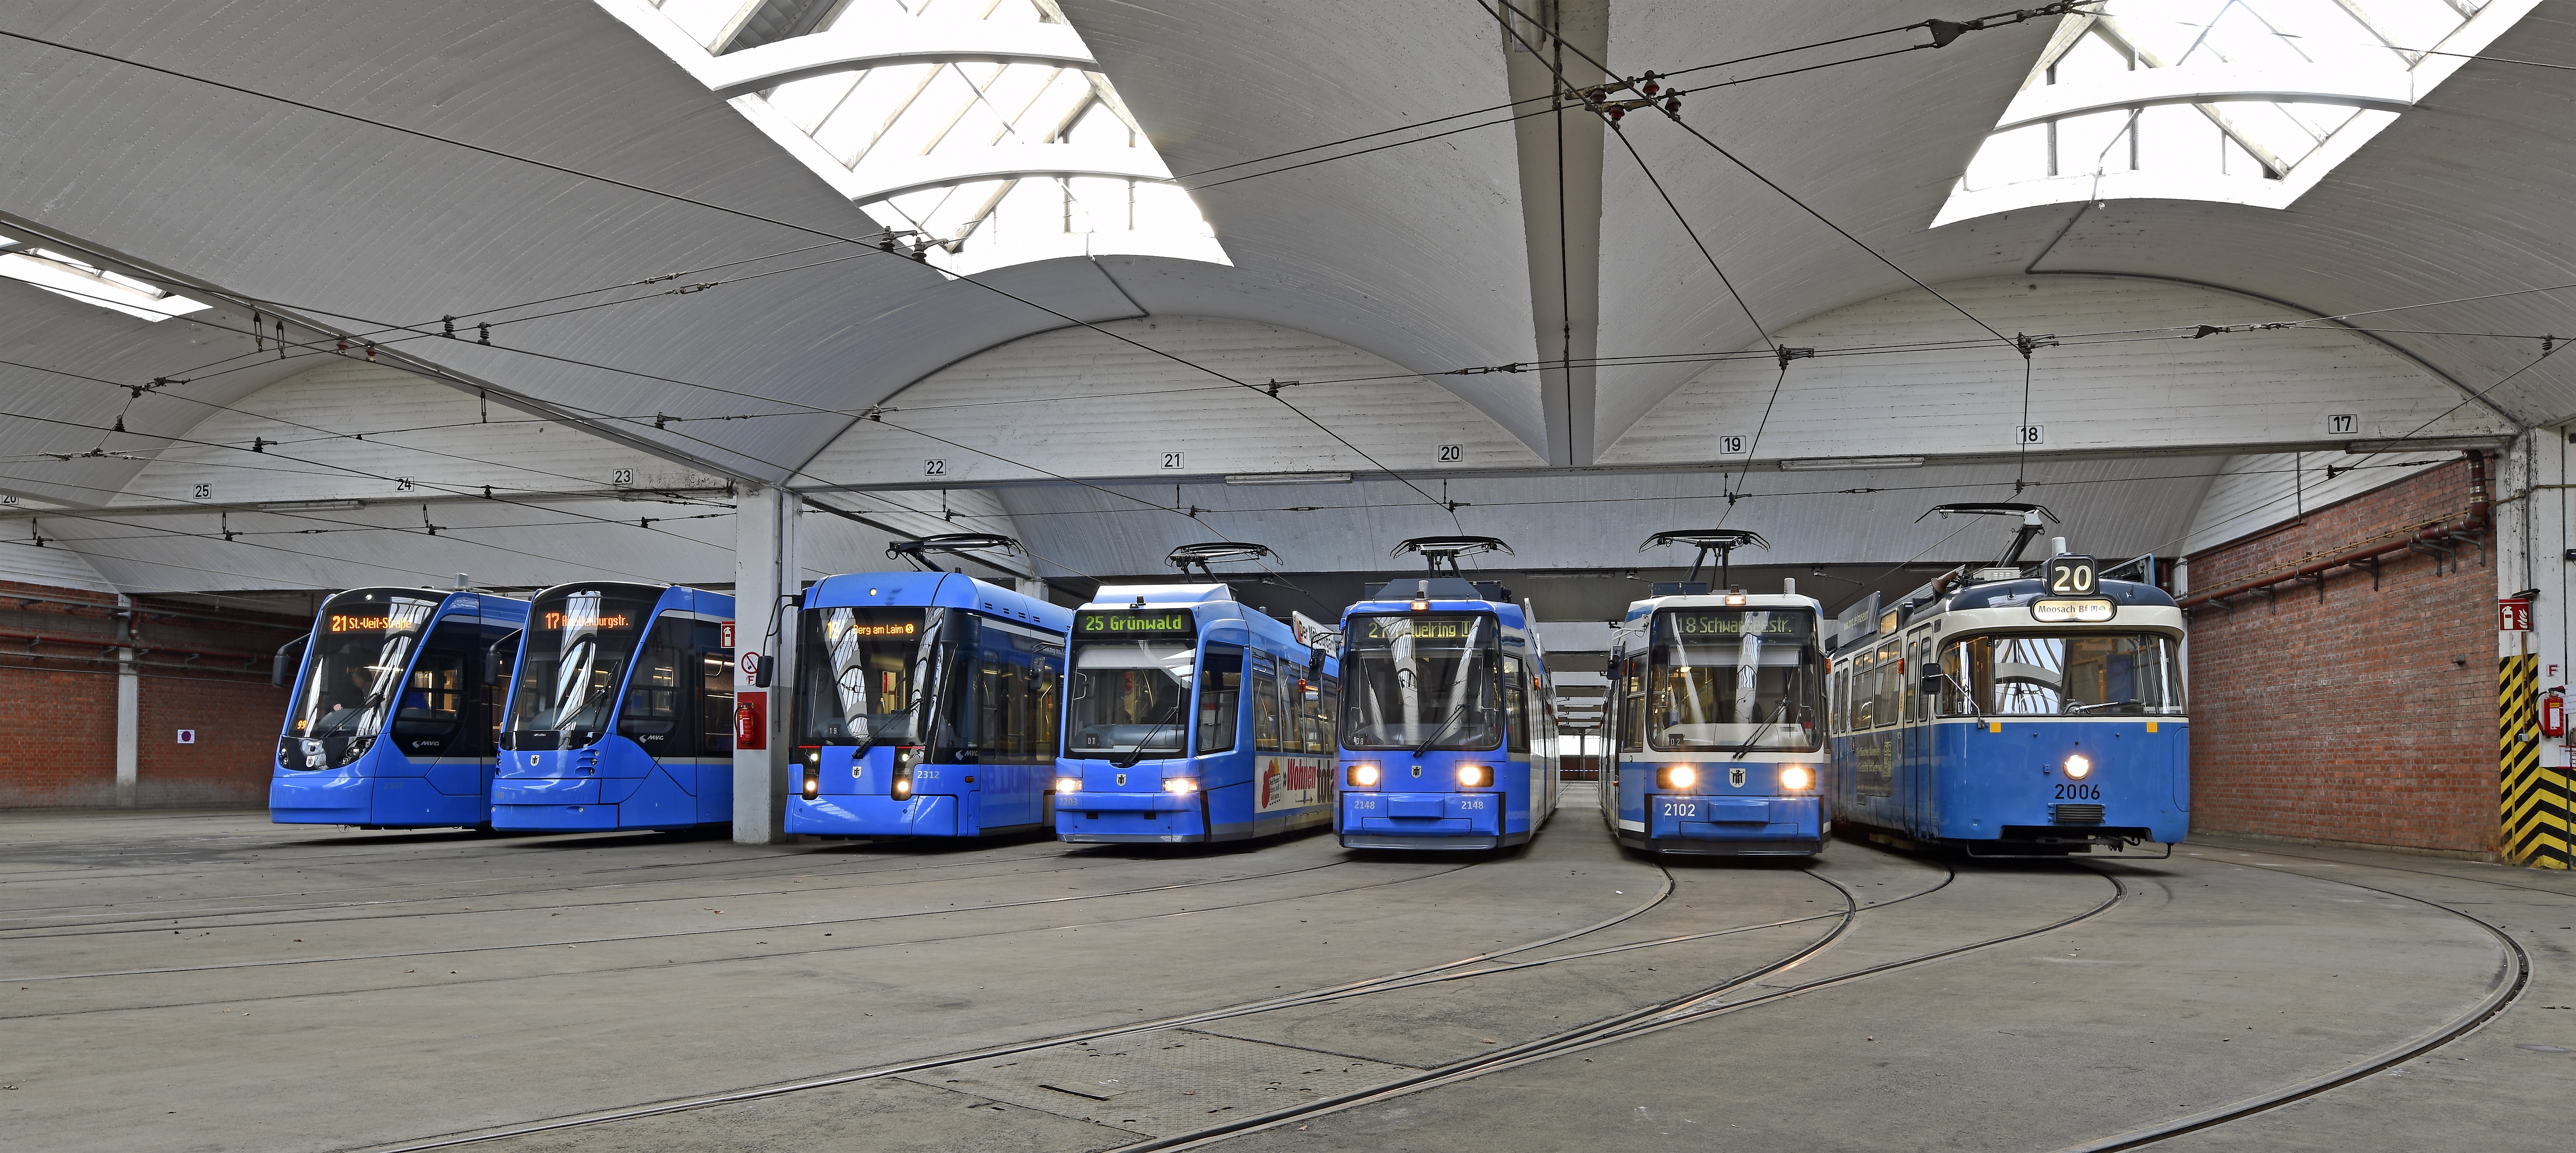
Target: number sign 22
[{"x": 2070, "y": 574}]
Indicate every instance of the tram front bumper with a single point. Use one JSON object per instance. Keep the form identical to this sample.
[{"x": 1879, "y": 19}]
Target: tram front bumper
[
  {"x": 1129, "y": 818},
  {"x": 321, "y": 797},
  {"x": 873, "y": 816},
  {"x": 1422, "y": 820},
  {"x": 1735, "y": 825}
]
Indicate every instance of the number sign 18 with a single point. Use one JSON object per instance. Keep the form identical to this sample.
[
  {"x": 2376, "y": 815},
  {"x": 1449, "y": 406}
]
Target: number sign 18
[{"x": 2070, "y": 574}]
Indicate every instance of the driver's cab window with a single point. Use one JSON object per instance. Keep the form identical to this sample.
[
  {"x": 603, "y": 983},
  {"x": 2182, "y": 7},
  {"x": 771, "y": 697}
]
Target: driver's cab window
[{"x": 1220, "y": 697}]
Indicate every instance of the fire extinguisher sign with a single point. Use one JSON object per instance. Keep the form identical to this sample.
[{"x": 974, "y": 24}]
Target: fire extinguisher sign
[{"x": 2513, "y": 614}]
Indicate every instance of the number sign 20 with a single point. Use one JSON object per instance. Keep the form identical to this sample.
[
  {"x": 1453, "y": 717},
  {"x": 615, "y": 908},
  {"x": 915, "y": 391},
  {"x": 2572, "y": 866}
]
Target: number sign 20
[{"x": 2070, "y": 574}]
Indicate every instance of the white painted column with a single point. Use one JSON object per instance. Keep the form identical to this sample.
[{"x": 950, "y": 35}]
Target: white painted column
[
  {"x": 129, "y": 706},
  {"x": 764, "y": 571}
]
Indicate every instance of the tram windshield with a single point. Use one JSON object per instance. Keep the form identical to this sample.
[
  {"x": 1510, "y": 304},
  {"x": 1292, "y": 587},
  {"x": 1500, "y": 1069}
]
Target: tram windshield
[
  {"x": 577, "y": 648},
  {"x": 2077, "y": 674},
  {"x": 1132, "y": 671},
  {"x": 1736, "y": 679},
  {"x": 861, "y": 667},
  {"x": 1422, "y": 682},
  {"x": 353, "y": 671}
]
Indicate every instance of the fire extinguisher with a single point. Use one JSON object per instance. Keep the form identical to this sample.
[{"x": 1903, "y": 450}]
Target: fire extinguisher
[{"x": 2553, "y": 712}]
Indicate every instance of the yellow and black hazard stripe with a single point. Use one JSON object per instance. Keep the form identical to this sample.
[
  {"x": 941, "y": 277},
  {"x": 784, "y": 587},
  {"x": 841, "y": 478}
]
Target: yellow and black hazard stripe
[{"x": 2535, "y": 800}]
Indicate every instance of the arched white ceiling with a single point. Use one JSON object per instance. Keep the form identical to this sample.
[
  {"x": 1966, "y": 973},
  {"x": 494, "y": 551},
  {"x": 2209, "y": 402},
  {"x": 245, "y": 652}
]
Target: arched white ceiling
[{"x": 1413, "y": 255}]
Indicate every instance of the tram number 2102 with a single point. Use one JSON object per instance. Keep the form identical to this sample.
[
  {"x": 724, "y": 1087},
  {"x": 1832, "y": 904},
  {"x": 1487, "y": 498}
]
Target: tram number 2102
[
  {"x": 2076, "y": 792},
  {"x": 1686, "y": 810}
]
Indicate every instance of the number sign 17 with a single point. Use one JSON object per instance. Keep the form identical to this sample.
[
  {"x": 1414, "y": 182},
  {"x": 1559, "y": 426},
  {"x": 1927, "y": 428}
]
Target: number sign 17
[{"x": 2070, "y": 575}]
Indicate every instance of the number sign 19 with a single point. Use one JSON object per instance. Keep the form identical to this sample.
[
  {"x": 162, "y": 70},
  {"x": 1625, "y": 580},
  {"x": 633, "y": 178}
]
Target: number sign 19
[{"x": 2070, "y": 574}]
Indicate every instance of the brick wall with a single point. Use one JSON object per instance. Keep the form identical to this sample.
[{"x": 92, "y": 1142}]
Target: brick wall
[
  {"x": 199, "y": 672},
  {"x": 2369, "y": 717}
]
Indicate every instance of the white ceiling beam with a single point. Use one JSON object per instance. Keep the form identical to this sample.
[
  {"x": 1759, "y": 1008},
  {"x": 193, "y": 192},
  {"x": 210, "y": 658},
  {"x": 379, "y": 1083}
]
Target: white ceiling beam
[
  {"x": 887, "y": 179},
  {"x": 2392, "y": 91},
  {"x": 872, "y": 44}
]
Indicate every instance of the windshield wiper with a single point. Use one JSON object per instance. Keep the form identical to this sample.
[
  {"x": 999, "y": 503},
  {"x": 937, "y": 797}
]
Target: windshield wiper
[
  {"x": 878, "y": 729},
  {"x": 1442, "y": 731},
  {"x": 1762, "y": 732},
  {"x": 1138, "y": 753},
  {"x": 2104, "y": 705}
]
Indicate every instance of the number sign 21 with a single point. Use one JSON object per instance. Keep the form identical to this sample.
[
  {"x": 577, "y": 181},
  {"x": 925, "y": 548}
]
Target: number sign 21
[{"x": 2070, "y": 574}]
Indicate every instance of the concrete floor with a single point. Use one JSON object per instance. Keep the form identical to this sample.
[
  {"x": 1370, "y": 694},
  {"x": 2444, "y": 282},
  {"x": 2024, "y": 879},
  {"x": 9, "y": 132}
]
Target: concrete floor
[{"x": 208, "y": 981}]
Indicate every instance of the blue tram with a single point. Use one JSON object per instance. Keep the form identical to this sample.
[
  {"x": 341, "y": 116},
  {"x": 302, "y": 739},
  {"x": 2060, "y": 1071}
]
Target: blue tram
[
  {"x": 1448, "y": 736},
  {"x": 1192, "y": 718},
  {"x": 1717, "y": 706},
  {"x": 2013, "y": 714},
  {"x": 393, "y": 723},
  {"x": 621, "y": 713},
  {"x": 928, "y": 705}
]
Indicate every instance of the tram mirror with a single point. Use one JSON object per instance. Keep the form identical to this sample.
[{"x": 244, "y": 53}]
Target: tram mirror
[
  {"x": 491, "y": 667},
  {"x": 1932, "y": 683}
]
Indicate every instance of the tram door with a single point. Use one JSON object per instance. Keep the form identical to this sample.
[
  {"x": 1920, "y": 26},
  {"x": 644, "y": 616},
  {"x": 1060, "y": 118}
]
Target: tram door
[{"x": 1914, "y": 761}]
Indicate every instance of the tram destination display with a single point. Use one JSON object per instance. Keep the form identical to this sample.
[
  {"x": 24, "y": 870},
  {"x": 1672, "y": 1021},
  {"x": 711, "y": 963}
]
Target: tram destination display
[
  {"x": 1772, "y": 624},
  {"x": 1134, "y": 624}
]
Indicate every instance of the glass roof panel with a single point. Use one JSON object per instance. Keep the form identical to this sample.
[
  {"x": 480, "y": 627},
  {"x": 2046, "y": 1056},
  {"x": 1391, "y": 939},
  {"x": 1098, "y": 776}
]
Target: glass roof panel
[
  {"x": 977, "y": 163},
  {"x": 2244, "y": 101}
]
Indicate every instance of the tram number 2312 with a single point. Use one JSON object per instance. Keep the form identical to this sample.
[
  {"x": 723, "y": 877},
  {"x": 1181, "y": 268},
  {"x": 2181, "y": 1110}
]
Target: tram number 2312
[{"x": 2070, "y": 574}]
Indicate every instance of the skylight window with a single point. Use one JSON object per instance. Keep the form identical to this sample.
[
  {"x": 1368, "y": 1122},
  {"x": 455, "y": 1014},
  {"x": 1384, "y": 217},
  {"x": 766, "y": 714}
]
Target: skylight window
[
  {"x": 76, "y": 279},
  {"x": 2239, "y": 101},
  {"x": 979, "y": 130}
]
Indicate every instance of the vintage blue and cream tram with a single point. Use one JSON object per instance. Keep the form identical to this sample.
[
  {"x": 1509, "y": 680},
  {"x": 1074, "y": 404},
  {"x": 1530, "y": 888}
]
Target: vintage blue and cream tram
[
  {"x": 2015, "y": 713},
  {"x": 1448, "y": 736},
  {"x": 621, "y": 712},
  {"x": 392, "y": 722},
  {"x": 1192, "y": 717},
  {"x": 929, "y": 705},
  {"x": 1717, "y": 713}
]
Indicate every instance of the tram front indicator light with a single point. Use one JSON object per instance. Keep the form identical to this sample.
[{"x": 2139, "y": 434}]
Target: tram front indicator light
[
  {"x": 1181, "y": 786},
  {"x": 1676, "y": 777},
  {"x": 1475, "y": 776},
  {"x": 1796, "y": 778},
  {"x": 1363, "y": 776},
  {"x": 2078, "y": 767}
]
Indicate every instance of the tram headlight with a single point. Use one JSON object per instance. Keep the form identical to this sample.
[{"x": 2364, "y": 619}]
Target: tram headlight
[
  {"x": 1795, "y": 778},
  {"x": 1475, "y": 776},
  {"x": 1362, "y": 776},
  {"x": 1068, "y": 784},
  {"x": 1676, "y": 777},
  {"x": 1180, "y": 786},
  {"x": 2078, "y": 767},
  {"x": 813, "y": 781}
]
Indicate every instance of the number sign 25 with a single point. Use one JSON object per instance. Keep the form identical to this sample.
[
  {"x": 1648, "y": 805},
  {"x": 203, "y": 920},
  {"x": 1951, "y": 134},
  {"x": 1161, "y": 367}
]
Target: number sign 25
[{"x": 2070, "y": 574}]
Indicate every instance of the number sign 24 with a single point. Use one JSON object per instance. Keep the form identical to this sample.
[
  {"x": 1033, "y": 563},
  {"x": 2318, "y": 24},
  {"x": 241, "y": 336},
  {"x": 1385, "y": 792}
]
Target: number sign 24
[{"x": 2071, "y": 574}]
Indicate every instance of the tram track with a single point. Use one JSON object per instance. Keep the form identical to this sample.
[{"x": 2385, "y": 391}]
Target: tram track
[
  {"x": 206, "y": 920},
  {"x": 1686, "y": 1009},
  {"x": 2502, "y": 997},
  {"x": 1382, "y": 984},
  {"x": 678, "y": 934},
  {"x": 766, "y": 868}
]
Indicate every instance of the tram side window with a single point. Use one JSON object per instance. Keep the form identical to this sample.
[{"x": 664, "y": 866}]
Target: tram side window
[
  {"x": 1631, "y": 686},
  {"x": 1013, "y": 682},
  {"x": 1265, "y": 713},
  {"x": 1516, "y": 703},
  {"x": 1891, "y": 685},
  {"x": 429, "y": 720},
  {"x": 1220, "y": 697},
  {"x": 655, "y": 713},
  {"x": 715, "y": 689}
]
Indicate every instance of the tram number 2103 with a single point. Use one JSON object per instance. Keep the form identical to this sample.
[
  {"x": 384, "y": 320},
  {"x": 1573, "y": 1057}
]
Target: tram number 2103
[{"x": 2076, "y": 792}]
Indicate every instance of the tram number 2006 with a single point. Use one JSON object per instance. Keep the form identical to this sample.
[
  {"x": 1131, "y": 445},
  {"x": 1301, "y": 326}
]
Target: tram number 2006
[
  {"x": 1688, "y": 810},
  {"x": 2079, "y": 792}
]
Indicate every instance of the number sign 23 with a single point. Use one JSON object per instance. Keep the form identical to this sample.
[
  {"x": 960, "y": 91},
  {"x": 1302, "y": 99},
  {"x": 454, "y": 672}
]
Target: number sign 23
[{"x": 2070, "y": 574}]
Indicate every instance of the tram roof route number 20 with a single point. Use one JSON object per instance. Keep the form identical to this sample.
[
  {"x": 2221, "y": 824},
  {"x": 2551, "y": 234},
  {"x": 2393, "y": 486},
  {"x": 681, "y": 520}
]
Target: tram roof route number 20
[{"x": 2069, "y": 574}]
